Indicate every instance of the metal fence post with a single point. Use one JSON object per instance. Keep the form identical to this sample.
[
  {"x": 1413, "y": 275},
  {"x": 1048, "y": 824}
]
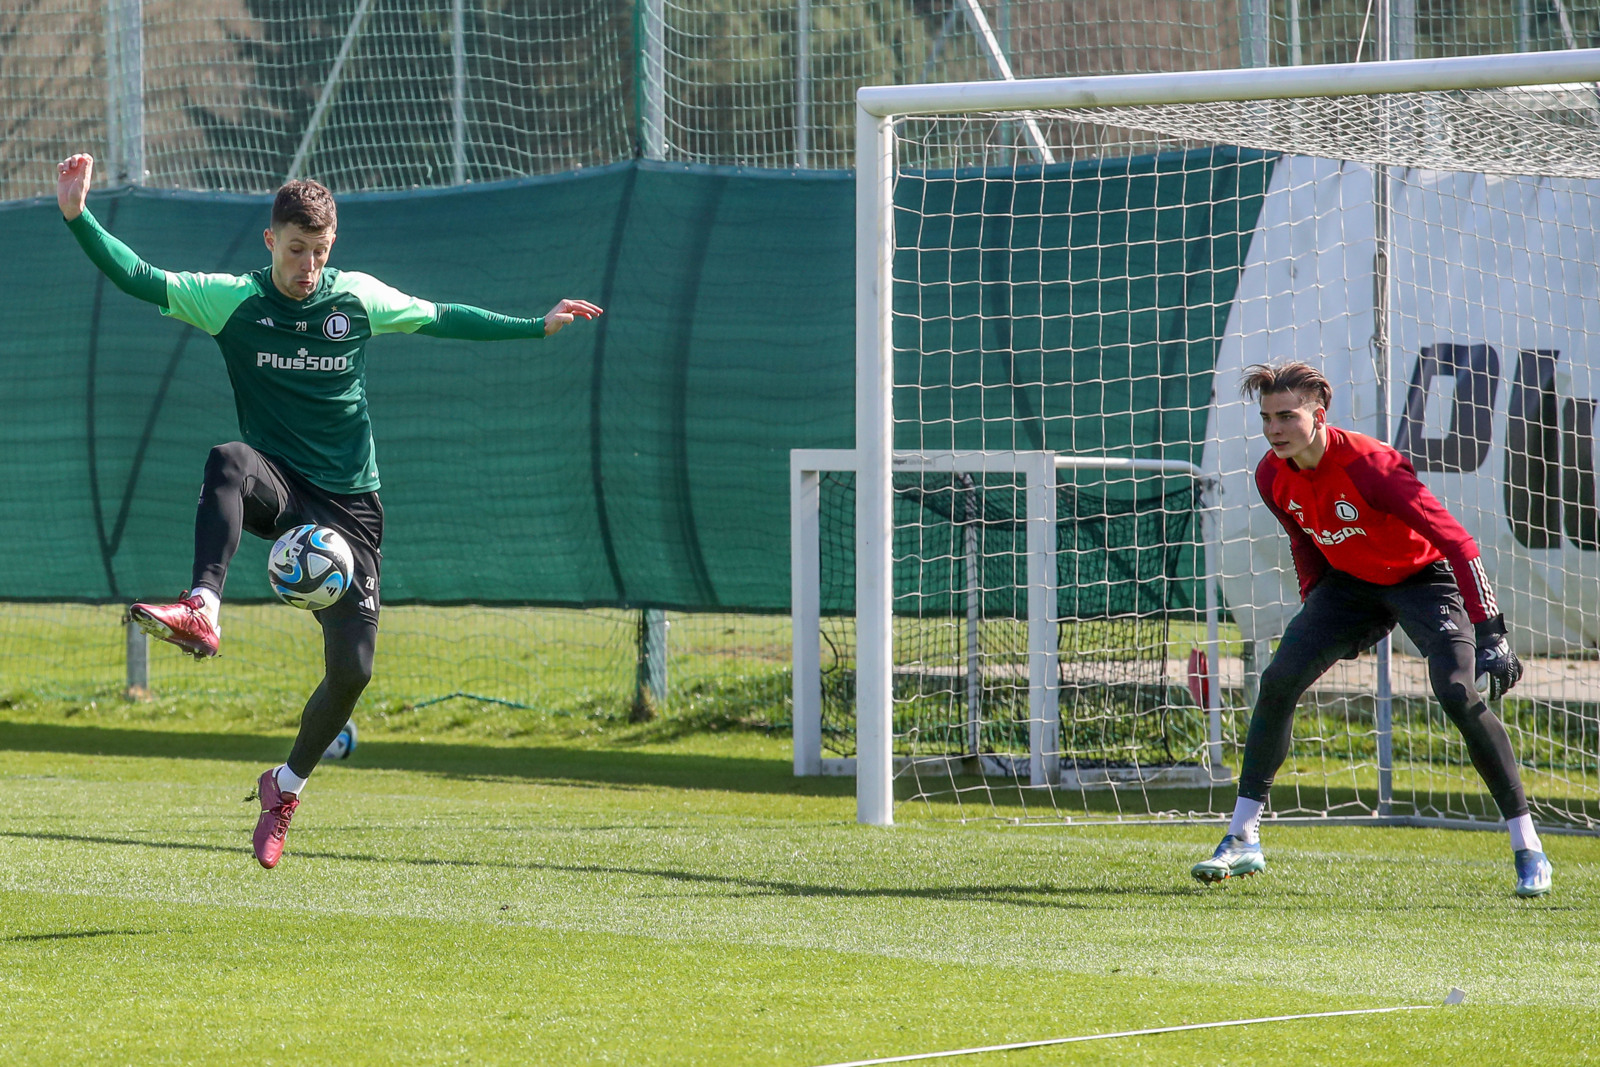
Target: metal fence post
[
  {"x": 650, "y": 678},
  {"x": 125, "y": 91},
  {"x": 1402, "y": 29},
  {"x": 802, "y": 85},
  {"x": 138, "y": 646},
  {"x": 652, "y": 68},
  {"x": 458, "y": 102},
  {"x": 1255, "y": 33}
]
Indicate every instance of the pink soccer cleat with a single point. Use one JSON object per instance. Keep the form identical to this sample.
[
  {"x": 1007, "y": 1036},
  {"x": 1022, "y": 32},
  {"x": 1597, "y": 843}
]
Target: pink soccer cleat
[
  {"x": 182, "y": 624},
  {"x": 277, "y": 808}
]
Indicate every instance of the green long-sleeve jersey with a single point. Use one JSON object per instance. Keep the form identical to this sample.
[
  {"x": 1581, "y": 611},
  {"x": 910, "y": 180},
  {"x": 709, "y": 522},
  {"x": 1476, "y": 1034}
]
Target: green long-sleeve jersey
[{"x": 298, "y": 367}]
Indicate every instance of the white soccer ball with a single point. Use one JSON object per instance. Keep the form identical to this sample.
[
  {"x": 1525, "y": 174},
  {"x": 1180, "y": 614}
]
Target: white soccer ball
[
  {"x": 341, "y": 747},
  {"x": 310, "y": 567}
]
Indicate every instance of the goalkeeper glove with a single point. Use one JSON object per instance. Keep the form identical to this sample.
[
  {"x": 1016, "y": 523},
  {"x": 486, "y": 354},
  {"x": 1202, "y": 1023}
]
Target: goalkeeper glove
[{"x": 1498, "y": 668}]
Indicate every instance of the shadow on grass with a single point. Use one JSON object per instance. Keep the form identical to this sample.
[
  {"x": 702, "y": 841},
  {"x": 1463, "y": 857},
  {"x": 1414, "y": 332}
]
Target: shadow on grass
[
  {"x": 1027, "y": 896},
  {"x": 627, "y": 765},
  {"x": 69, "y": 935},
  {"x": 612, "y": 766},
  {"x": 1282, "y": 898}
]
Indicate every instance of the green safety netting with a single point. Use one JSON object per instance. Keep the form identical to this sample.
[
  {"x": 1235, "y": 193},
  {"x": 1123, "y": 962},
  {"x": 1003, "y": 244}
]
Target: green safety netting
[{"x": 638, "y": 460}]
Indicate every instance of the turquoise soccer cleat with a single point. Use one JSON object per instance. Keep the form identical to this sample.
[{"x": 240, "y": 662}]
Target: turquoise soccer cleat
[
  {"x": 1233, "y": 858},
  {"x": 1533, "y": 873}
]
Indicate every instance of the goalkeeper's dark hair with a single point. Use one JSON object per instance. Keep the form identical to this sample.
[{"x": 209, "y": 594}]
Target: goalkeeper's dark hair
[
  {"x": 1294, "y": 376},
  {"x": 305, "y": 203}
]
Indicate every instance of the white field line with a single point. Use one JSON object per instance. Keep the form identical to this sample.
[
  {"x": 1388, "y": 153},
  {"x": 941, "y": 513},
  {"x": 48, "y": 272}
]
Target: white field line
[{"x": 1455, "y": 997}]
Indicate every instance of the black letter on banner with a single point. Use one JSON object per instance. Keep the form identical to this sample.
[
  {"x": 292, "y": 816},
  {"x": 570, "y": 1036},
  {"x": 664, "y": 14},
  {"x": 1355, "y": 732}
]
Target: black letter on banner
[
  {"x": 1533, "y": 452},
  {"x": 1476, "y": 369},
  {"x": 1577, "y": 473}
]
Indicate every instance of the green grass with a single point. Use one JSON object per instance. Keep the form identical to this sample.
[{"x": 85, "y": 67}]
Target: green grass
[
  {"x": 590, "y": 892},
  {"x": 564, "y": 662}
]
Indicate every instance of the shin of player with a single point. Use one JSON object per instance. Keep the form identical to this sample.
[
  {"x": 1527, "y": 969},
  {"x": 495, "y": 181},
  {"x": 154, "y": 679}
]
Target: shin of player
[{"x": 1372, "y": 548}]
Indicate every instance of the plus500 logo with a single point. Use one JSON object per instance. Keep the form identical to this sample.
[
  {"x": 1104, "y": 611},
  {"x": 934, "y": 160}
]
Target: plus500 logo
[
  {"x": 1549, "y": 477},
  {"x": 302, "y": 361}
]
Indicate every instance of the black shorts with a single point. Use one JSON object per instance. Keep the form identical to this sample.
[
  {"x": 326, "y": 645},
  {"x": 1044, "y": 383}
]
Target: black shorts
[
  {"x": 277, "y": 499},
  {"x": 1344, "y": 616}
]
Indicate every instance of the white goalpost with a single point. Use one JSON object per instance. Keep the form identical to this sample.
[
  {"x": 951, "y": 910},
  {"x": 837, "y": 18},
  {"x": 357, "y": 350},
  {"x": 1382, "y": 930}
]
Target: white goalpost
[{"x": 1058, "y": 283}]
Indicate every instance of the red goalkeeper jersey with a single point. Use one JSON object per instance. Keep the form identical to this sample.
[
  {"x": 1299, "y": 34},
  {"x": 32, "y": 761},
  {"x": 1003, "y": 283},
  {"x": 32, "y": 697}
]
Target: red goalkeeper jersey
[{"x": 1362, "y": 510}]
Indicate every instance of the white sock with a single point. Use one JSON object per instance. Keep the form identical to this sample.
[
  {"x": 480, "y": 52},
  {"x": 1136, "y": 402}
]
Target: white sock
[
  {"x": 1523, "y": 835},
  {"x": 1246, "y": 822},
  {"x": 210, "y": 603},
  {"x": 290, "y": 782}
]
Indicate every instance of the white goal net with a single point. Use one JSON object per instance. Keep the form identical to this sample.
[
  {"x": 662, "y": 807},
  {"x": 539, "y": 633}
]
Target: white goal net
[{"x": 1080, "y": 270}]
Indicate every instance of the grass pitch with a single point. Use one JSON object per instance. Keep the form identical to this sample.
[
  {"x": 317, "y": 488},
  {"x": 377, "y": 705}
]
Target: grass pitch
[{"x": 588, "y": 893}]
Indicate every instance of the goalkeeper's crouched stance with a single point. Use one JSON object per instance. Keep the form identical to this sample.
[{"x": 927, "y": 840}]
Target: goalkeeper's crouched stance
[
  {"x": 1372, "y": 548},
  {"x": 293, "y": 336}
]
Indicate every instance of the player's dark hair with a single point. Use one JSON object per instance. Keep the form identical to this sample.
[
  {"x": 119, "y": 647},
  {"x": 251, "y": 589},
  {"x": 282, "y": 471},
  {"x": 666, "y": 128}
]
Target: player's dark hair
[
  {"x": 1301, "y": 379},
  {"x": 305, "y": 203}
]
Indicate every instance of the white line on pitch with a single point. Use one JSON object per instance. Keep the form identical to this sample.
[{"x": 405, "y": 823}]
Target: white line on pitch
[{"x": 1456, "y": 997}]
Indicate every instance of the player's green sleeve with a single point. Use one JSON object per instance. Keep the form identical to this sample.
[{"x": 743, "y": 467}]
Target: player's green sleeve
[
  {"x": 119, "y": 262},
  {"x": 206, "y": 301},
  {"x": 467, "y": 323},
  {"x": 203, "y": 300},
  {"x": 388, "y": 309}
]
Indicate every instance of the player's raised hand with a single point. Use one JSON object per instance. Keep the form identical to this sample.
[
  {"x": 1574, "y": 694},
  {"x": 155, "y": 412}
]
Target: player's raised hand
[
  {"x": 72, "y": 183},
  {"x": 566, "y": 311}
]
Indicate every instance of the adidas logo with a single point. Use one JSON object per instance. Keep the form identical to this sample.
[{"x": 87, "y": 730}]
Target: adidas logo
[
  {"x": 1293, "y": 506},
  {"x": 369, "y": 602},
  {"x": 266, "y": 322}
]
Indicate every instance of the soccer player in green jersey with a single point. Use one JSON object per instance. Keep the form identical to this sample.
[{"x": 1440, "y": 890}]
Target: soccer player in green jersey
[{"x": 293, "y": 336}]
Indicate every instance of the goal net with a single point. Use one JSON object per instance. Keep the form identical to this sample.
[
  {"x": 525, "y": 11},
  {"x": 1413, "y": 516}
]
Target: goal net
[{"x": 1074, "y": 273}]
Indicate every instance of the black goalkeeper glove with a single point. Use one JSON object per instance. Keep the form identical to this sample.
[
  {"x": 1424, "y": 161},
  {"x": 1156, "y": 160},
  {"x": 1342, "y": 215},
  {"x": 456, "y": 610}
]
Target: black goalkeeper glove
[{"x": 1498, "y": 668}]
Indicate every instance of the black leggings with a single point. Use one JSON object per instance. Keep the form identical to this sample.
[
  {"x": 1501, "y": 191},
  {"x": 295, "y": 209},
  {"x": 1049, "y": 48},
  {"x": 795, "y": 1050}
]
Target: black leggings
[
  {"x": 347, "y": 647},
  {"x": 1343, "y": 616},
  {"x": 248, "y": 491}
]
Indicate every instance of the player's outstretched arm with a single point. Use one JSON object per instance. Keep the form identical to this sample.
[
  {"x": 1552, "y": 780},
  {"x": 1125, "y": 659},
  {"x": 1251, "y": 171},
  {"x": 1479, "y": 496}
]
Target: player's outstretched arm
[
  {"x": 116, "y": 260},
  {"x": 566, "y": 311},
  {"x": 468, "y": 323}
]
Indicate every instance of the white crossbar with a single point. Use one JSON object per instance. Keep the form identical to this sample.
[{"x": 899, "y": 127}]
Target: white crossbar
[{"x": 1260, "y": 83}]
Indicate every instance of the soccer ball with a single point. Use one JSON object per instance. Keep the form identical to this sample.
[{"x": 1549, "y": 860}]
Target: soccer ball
[
  {"x": 310, "y": 567},
  {"x": 341, "y": 747}
]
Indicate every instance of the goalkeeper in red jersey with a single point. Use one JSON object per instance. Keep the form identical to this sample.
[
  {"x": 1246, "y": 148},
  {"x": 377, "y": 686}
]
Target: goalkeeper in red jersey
[{"x": 1372, "y": 548}]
